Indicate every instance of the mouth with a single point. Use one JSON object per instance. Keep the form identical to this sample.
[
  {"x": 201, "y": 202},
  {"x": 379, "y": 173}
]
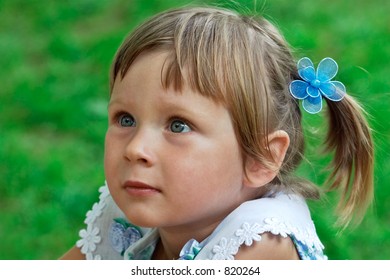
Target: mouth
[{"x": 136, "y": 188}]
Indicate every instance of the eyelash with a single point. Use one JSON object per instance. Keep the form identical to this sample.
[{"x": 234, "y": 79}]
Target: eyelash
[
  {"x": 117, "y": 119},
  {"x": 172, "y": 119}
]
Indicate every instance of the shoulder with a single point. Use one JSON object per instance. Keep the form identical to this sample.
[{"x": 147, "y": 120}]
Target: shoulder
[
  {"x": 271, "y": 247},
  {"x": 273, "y": 227}
]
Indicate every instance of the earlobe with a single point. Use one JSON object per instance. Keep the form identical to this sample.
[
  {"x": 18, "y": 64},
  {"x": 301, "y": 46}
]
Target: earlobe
[{"x": 258, "y": 174}]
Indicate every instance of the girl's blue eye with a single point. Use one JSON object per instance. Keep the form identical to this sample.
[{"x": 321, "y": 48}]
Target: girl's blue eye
[
  {"x": 178, "y": 126},
  {"x": 126, "y": 120}
]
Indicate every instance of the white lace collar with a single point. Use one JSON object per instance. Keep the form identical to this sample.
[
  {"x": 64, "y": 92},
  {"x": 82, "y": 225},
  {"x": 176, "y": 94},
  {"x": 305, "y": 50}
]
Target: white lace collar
[{"x": 281, "y": 214}]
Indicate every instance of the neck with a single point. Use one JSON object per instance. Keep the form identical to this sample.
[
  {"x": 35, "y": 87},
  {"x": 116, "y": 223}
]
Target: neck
[{"x": 172, "y": 240}]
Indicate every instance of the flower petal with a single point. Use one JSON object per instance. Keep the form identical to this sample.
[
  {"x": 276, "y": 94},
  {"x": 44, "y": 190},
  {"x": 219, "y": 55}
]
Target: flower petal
[
  {"x": 334, "y": 90},
  {"x": 312, "y": 105},
  {"x": 298, "y": 89},
  {"x": 312, "y": 91},
  {"x": 327, "y": 69},
  {"x": 305, "y": 62},
  {"x": 308, "y": 73}
]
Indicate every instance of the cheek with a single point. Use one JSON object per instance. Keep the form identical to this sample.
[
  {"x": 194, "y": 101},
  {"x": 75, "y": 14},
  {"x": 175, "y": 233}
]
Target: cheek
[
  {"x": 110, "y": 154},
  {"x": 226, "y": 167},
  {"x": 216, "y": 167}
]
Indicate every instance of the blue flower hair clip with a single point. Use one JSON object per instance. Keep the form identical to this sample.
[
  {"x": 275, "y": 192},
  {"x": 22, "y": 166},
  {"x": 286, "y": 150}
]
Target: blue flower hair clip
[{"x": 316, "y": 84}]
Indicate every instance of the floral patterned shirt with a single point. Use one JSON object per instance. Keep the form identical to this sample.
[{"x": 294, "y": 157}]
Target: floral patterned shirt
[{"x": 108, "y": 234}]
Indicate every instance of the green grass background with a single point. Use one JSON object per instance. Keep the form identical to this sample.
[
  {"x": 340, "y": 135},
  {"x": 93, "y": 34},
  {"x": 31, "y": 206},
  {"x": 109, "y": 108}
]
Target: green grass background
[{"x": 54, "y": 61}]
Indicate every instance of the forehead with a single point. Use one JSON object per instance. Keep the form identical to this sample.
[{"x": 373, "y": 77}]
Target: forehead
[
  {"x": 147, "y": 71},
  {"x": 161, "y": 66}
]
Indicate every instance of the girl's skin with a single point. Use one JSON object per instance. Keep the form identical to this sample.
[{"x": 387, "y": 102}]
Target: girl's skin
[{"x": 172, "y": 161}]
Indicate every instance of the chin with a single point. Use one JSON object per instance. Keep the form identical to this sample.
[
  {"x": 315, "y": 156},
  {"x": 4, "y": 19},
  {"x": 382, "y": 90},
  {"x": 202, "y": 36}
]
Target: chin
[{"x": 143, "y": 221}]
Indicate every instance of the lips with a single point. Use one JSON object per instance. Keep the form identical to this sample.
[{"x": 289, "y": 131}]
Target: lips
[{"x": 136, "y": 188}]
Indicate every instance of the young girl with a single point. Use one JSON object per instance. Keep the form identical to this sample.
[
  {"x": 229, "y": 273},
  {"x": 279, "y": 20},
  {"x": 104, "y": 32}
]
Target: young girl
[{"x": 204, "y": 135}]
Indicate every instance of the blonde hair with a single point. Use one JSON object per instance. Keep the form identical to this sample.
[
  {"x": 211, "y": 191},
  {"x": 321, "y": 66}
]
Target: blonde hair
[{"x": 245, "y": 63}]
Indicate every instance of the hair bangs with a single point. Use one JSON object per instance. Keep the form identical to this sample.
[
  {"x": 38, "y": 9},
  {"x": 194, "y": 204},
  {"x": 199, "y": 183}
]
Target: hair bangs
[{"x": 199, "y": 58}]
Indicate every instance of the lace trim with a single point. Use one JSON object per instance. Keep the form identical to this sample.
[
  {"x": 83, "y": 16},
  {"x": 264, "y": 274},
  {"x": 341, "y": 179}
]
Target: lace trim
[
  {"x": 91, "y": 235},
  {"x": 306, "y": 240}
]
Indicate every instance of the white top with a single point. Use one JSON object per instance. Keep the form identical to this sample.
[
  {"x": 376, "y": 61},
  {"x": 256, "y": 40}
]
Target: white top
[{"x": 109, "y": 235}]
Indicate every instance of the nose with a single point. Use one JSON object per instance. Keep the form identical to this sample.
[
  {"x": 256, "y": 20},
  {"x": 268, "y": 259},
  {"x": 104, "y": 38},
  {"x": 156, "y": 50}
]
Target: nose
[{"x": 139, "y": 148}]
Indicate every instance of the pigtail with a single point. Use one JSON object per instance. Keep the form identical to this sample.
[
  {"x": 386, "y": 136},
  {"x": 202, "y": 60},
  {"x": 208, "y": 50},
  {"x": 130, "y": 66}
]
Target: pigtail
[{"x": 349, "y": 138}]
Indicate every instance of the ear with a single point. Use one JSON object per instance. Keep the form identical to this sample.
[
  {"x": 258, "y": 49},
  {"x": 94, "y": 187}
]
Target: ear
[{"x": 258, "y": 174}]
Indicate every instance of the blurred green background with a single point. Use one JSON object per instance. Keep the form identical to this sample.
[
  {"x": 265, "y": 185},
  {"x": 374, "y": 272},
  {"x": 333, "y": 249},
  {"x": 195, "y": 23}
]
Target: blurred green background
[{"x": 54, "y": 61}]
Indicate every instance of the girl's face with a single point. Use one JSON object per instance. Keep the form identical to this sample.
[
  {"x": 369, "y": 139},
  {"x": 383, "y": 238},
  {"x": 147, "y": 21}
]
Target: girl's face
[{"x": 171, "y": 158}]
